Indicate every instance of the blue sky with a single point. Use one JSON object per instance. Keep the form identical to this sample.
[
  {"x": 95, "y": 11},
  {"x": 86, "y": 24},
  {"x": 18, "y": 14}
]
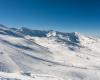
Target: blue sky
[{"x": 63, "y": 15}]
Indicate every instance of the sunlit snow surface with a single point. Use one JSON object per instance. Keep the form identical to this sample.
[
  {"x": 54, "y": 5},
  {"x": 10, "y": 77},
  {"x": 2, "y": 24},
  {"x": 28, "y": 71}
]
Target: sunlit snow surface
[{"x": 55, "y": 57}]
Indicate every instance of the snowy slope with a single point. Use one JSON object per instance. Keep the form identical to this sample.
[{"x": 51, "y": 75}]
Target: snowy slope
[{"x": 27, "y": 54}]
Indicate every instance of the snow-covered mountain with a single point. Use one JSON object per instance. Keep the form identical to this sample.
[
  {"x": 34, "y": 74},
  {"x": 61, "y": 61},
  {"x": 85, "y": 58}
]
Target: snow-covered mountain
[{"x": 27, "y": 54}]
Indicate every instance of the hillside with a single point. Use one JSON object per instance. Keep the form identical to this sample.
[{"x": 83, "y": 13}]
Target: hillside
[{"x": 48, "y": 55}]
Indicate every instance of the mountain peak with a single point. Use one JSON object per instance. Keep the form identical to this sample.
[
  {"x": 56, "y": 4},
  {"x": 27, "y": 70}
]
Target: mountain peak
[
  {"x": 51, "y": 33},
  {"x": 76, "y": 33}
]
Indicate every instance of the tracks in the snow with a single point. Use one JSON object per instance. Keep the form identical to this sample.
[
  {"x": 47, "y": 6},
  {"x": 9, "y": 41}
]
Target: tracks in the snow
[{"x": 58, "y": 63}]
